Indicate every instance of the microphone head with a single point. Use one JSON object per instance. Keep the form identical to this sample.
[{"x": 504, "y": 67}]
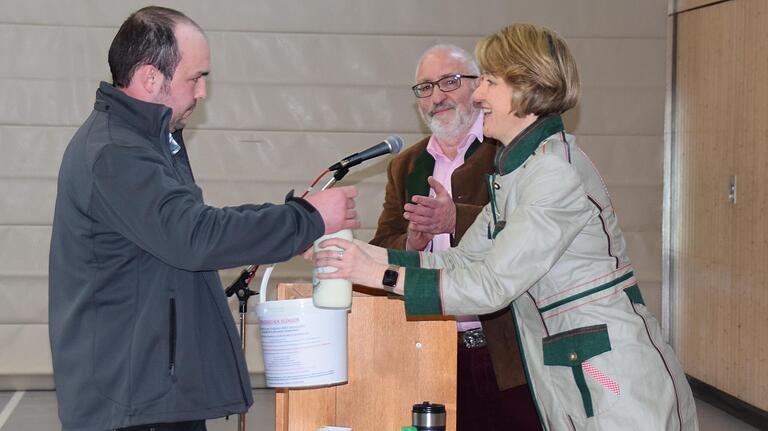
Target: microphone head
[{"x": 395, "y": 143}]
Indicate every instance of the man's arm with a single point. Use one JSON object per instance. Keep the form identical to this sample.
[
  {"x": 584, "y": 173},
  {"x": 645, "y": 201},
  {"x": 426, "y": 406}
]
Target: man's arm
[{"x": 137, "y": 195}]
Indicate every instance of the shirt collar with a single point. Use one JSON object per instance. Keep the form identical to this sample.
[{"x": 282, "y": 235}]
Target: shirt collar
[
  {"x": 173, "y": 145},
  {"x": 475, "y": 132}
]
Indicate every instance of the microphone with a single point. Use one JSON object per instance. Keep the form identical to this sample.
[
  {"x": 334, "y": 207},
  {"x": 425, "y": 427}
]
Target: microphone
[{"x": 392, "y": 144}]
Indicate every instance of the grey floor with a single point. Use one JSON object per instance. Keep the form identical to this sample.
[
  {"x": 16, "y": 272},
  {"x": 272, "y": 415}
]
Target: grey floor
[{"x": 36, "y": 411}]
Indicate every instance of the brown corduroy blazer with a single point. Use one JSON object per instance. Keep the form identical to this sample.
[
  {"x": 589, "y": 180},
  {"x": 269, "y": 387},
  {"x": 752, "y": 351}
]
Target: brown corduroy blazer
[{"x": 407, "y": 176}]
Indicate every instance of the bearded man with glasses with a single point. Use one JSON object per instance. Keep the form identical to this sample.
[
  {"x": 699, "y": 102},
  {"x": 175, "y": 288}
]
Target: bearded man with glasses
[{"x": 435, "y": 190}]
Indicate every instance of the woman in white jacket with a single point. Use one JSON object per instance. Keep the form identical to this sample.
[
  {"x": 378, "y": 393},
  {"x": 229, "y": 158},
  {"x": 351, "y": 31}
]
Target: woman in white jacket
[{"x": 548, "y": 246}]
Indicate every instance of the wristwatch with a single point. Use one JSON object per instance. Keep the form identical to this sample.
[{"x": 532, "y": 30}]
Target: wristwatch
[{"x": 390, "y": 276}]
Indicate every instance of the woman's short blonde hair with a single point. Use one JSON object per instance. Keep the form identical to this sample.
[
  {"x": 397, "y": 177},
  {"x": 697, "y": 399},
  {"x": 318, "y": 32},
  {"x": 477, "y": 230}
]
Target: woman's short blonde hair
[{"x": 538, "y": 65}]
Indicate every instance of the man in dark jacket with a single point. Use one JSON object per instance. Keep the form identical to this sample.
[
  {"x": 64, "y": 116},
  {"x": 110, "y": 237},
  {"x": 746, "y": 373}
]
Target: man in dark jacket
[
  {"x": 141, "y": 333},
  {"x": 435, "y": 190}
]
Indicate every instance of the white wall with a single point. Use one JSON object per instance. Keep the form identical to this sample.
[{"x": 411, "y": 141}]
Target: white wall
[{"x": 295, "y": 86}]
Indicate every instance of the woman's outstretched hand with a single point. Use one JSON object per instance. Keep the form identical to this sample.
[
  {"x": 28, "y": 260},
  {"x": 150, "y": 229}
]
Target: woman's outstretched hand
[{"x": 357, "y": 261}]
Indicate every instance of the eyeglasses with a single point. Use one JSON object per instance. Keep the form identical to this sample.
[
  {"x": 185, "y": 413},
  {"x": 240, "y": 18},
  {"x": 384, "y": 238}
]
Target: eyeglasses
[{"x": 445, "y": 84}]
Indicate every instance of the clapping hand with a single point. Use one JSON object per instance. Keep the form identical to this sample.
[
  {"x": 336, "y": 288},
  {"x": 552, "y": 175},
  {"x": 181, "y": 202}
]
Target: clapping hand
[{"x": 431, "y": 215}]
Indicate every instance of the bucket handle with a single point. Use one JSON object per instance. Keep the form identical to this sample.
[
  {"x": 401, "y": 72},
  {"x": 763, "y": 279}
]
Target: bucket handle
[{"x": 264, "y": 282}]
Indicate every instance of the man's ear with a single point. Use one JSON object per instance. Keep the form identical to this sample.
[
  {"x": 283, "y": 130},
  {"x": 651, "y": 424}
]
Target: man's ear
[{"x": 149, "y": 78}]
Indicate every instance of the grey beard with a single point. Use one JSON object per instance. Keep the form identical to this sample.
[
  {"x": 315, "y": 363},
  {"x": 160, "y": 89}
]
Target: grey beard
[{"x": 453, "y": 130}]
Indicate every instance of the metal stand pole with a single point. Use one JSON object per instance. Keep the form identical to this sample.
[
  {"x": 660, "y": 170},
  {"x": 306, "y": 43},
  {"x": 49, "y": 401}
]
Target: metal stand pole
[
  {"x": 243, "y": 314},
  {"x": 240, "y": 288}
]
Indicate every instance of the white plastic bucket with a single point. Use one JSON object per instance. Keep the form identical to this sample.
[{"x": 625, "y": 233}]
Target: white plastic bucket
[{"x": 303, "y": 345}]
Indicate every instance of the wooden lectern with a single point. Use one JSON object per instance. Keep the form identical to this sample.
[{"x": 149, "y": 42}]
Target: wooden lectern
[{"x": 394, "y": 363}]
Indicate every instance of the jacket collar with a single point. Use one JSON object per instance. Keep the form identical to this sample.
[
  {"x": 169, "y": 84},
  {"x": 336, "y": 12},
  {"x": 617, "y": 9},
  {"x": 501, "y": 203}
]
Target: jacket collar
[
  {"x": 148, "y": 118},
  {"x": 423, "y": 166},
  {"x": 511, "y": 156}
]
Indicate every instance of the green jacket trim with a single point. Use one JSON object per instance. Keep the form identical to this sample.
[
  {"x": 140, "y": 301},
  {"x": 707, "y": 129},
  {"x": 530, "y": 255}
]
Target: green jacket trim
[
  {"x": 422, "y": 292},
  {"x": 416, "y": 181},
  {"x": 571, "y": 349},
  {"x": 403, "y": 258},
  {"x": 633, "y": 292},
  {"x": 423, "y": 166},
  {"x": 581, "y": 383},
  {"x": 511, "y": 156},
  {"x": 472, "y": 148},
  {"x": 525, "y": 363},
  {"x": 587, "y": 292}
]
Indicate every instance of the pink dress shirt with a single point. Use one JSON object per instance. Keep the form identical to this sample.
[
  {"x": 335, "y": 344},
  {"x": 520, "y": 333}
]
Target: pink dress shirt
[{"x": 443, "y": 171}]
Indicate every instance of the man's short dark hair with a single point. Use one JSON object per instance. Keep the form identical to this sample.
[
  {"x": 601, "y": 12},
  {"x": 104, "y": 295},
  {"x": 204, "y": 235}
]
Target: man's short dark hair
[{"x": 146, "y": 37}]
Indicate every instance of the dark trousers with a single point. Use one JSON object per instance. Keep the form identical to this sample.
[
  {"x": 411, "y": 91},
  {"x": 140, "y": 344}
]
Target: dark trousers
[
  {"x": 174, "y": 426},
  {"x": 480, "y": 405}
]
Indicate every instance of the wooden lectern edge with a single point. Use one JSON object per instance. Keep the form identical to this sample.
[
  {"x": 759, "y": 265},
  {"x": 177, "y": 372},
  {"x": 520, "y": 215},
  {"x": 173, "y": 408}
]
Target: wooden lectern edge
[{"x": 304, "y": 290}]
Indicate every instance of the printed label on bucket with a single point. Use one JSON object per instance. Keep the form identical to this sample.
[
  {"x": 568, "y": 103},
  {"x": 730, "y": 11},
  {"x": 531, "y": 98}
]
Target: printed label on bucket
[{"x": 302, "y": 345}]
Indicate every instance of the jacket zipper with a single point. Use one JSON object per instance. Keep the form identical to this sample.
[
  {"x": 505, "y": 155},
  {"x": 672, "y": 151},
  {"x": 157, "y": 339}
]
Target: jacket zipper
[{"x": 172, "y": 339}]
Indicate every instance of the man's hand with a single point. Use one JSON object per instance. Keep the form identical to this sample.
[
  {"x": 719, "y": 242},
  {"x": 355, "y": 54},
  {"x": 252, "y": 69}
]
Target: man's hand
[
  {"x": 432, "y": 215},
  {"x": 336, "y": 207},
  {"x": 417, "y": 240}
]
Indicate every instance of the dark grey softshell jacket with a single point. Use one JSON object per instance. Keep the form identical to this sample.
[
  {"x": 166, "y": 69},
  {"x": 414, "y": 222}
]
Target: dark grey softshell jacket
[{"x": 140, "y": 328}]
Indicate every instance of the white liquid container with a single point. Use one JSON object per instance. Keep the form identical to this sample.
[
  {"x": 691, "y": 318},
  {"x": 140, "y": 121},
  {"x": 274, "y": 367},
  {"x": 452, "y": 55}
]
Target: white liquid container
[{"x": 336, "y": 292}]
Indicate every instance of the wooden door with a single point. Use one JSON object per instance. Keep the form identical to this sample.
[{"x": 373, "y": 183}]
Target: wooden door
[{"x": 720, "y": 248}]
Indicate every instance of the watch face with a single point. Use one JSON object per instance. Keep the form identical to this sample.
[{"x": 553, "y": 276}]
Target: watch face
[{"x": 390, "y": 278}]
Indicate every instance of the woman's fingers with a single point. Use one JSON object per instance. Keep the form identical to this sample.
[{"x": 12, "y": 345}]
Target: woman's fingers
[
  {"x": 329, "y": 255},
  {"x": 336, "y": 242}
]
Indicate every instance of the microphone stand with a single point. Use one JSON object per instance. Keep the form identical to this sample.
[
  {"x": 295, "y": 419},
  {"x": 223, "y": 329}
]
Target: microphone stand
[
  {"x": 337, "y": 176},
  {"x": 240, "y": 286}
]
